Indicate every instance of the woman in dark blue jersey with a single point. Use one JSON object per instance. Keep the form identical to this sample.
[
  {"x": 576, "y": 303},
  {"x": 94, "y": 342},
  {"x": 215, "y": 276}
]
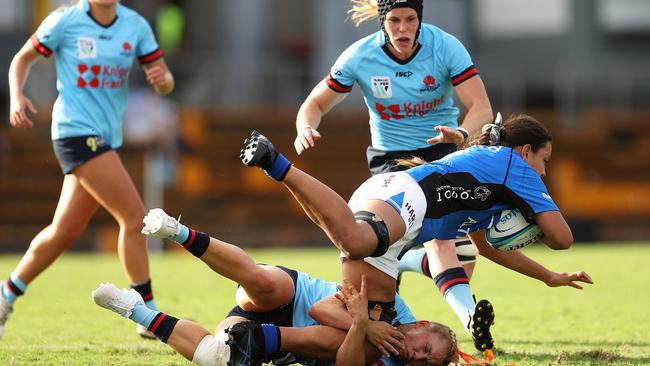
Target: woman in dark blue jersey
[{"x": 428, "y": 204}]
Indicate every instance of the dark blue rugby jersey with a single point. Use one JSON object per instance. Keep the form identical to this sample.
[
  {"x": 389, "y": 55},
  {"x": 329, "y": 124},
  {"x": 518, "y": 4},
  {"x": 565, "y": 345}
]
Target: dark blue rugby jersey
[{"x": 466, "y": 189}]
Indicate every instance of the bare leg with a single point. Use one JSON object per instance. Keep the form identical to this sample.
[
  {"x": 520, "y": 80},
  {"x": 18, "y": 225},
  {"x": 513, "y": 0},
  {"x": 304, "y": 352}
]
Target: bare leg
[
  {"x": 186, "y": 338},
  {"x": 105, "y": 178},
  {"x": 72, "y": 213},
  {"x": 332, "y": 214}
]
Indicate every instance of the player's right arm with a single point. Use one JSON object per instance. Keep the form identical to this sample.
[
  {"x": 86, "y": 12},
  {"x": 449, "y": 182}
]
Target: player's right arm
[
  {"x": 557, "y": 233},
  {"x": 18, "y": 73},
  {"x": 320, "y": 101},
  {"x": 351, "y": 352}
]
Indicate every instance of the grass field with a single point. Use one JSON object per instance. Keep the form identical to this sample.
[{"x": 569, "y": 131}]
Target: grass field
[{"x": 57, "y": 323}]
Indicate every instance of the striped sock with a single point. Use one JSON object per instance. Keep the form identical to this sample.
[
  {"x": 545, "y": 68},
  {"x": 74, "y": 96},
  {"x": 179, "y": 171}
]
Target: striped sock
[
  {"x": 12, "y": 288},
  {"x": 197, "y": 243},
  {"x": 182, "y": 235},
  {"x": 415, "y": 260},
  {"x": 144, "y": 289},
  {"x": 454, "y": 286},
  {"x": 162, "y": 326},
  {"x": 143, "y": 315}
]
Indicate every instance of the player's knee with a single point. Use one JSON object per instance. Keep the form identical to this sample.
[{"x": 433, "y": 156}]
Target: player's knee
[
  {"x": 212, "y": 350},
  {"x": 64, "y": 235}
]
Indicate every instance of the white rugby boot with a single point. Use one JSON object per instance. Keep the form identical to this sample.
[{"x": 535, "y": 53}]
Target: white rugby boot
[
  {"x": 157, "y": 223},
  {"x": 122, "y": 302},
  {"x": 5, "y": 309}
]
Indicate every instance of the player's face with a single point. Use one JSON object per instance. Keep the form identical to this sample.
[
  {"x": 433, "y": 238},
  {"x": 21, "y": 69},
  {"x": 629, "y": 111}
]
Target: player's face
[
  {"x": 538, "y": 159},
  {"x": 104, "y": 2},
  {"x": 401, "y": 24},
  {"x": 422, "y": 346}
]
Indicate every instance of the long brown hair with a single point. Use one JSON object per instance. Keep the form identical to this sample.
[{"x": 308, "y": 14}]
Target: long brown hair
[{"x": 517, "y": 130}]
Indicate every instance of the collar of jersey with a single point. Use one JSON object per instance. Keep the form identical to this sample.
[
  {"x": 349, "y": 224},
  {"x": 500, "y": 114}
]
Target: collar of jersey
[
  {"x": 85, "y": 7},
  {"x": 401, "y": 62}
]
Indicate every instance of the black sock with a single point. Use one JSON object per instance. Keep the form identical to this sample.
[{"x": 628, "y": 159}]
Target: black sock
[
  {"x": 197, "y": 243},
  {"x": 163, "y": 326},
  {"x": 144, "y": 290}
]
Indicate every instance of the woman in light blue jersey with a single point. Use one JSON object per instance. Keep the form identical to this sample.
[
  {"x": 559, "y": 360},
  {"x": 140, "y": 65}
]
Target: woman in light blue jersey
[
  {"x": 429, "y": 204},
  {"x": 273, "y": 316},
  {"x": 94, "y": 43},
  {"x": 408, "y": 73}
]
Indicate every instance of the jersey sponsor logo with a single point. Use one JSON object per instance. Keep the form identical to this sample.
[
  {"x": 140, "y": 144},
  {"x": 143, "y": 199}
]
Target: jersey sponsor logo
[
  {"x": 93, "y": 142},
  {"x": 546, "y": 196},
  {"x": 429, "y": 84},
  {"x": 105, "y": 37},
  {"x": 86, "y": 47},
  {"x": 104, "y": 77},
  {"x": 381, "y": 87},
  {"x": 409, "y": 109},
  {"x": 482, "y": 193},
  {"x": 467, "y": 227},
  {"x": 403, "y": 74},
  {"x": 127, "y": 49},
  {"x": 411, "y": 213},
  {"x": 449, "y": 192}
]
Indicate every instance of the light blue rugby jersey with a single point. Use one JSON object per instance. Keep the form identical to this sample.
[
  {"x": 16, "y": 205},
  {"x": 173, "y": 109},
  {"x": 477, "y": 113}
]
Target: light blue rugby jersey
[
  {"x": 310, "y": 290},
  {"x": 467, "y": 189},
  {"x": 92, "y": 66},
  {"x": 405, "y": 99}
]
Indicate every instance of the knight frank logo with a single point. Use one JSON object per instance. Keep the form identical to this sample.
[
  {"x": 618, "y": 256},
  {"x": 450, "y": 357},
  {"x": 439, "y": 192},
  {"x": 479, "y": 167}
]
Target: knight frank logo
[
  {"x": 88, "y": 76},
  {"x": 409, "y": 109}
]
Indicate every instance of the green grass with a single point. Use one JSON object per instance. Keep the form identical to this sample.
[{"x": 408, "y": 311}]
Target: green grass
[{"x": 56, "y": 323}]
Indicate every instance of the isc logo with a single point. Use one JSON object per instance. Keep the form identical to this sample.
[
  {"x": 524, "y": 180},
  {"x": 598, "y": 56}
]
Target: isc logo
[{"x": 403, "y": 74}]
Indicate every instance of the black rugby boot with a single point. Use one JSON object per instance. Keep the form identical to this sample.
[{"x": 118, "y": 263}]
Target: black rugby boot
[
  {"x": 480, "y": 325},
  {"x": 246, "y": 344}
]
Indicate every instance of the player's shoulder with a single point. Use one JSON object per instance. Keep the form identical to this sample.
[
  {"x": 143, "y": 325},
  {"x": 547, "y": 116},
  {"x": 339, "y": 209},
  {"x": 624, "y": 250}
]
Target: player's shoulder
[
  {"x": 63, "y": 14},
  {"x": 130, "y": 15},
  {"x": 364, "y": 46},
  {"x": 435, "y": 37}
]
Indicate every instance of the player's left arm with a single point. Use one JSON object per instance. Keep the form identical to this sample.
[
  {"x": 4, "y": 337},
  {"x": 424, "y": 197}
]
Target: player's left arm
[
  {"x": 474, "y": 98},
  {"x": 159, "y": 76},
  {"x": 519, "y": 262}
]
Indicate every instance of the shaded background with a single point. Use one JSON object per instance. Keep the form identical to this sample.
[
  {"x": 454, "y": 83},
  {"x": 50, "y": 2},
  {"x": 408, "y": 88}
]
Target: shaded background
[{"x": 580, "y": 66}]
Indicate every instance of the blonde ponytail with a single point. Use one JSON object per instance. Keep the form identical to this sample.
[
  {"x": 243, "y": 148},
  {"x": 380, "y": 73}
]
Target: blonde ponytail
[{"x": 363, "y": 10}]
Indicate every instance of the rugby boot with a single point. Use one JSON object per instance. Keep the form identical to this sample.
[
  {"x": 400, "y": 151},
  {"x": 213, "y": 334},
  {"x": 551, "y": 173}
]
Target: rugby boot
[
  {"x": 157, "y": 223},
  {"x": 480, "y": 324},
  {"x": 5, "y": 310},
  {"x": 258, "y": 151},
  {"x": 246, "y": 344}
]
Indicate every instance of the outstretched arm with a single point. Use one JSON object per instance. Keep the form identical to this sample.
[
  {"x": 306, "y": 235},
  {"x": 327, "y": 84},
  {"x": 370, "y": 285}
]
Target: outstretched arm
[{"x": 519, "y": 262}]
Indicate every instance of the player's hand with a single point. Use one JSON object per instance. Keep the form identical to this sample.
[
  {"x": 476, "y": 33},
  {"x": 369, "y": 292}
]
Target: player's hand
[
  {"x": 386, "y": 338},
  {"x": 18, "y": 112},
  {"x": 447, "y": 135},
  {"x": 569, "y": 279},
  {"x": 306, "y": 139},
  {"x": 157, "y": 76},
  {"x": 355, "y": 301}
]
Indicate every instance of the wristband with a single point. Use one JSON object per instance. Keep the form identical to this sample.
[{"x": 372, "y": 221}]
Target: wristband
[{"x": 463, "y": 132}]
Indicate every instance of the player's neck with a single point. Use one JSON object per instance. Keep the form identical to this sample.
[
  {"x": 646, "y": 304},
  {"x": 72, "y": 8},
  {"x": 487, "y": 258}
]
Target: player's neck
[
  {"x": 104, "y": 14},
  {"x": 402, "y": 55}
]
